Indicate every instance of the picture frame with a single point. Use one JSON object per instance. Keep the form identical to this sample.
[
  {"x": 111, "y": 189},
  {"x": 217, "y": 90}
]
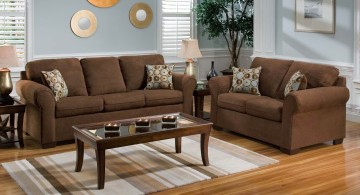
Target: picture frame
[{"x": 315, "y": 16}]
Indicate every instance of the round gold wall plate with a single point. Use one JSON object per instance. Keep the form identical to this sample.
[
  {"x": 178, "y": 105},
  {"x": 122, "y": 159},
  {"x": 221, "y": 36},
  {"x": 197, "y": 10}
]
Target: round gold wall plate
[
  {"x": 103, "y": 3},
  {"x": 140, "y": 15},
  {"x": 83, "y": 23}
]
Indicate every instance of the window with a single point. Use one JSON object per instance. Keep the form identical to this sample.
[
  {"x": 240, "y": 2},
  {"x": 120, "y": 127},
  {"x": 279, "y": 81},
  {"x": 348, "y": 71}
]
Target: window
[
  {"x": 176, "y": 25},
  {"x": 12, "y": 22}
]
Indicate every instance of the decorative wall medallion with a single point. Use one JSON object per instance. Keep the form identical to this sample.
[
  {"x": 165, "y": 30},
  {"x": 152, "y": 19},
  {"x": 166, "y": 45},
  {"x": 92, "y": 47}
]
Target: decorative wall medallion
[
  {"x": 103, "y": 3},
  {"x": 83, "y": 23},
  {"x": 140, "y": 15}
]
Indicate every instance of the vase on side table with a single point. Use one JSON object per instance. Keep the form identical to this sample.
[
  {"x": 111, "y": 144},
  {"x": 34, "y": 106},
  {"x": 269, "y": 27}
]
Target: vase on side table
[{"x": 212, "y": 73}]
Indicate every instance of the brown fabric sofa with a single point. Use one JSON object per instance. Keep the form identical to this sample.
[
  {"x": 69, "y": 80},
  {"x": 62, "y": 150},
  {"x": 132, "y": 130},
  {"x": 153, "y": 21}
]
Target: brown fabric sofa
[
  {"x": 303, "y": 118},
  {"x": 100, "y": 89}
]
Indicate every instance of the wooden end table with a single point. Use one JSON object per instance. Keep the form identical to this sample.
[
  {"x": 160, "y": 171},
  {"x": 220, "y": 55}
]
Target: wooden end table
[
  {"x": 16, "y": 108},
  {"x": 199, "y": 95}
]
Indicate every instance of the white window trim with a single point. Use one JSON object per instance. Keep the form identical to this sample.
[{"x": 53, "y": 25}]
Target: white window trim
[
  {"x": 193, "y": 31},
  {"x": 25, "y": 14}
]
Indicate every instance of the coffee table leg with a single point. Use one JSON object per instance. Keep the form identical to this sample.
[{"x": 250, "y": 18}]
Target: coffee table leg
[
  {"x": 100, "y": 159},
  {"x": 79, "y": 154},
  {"x": 178, "y": 144},
  {"x": 204, "y": 148}
]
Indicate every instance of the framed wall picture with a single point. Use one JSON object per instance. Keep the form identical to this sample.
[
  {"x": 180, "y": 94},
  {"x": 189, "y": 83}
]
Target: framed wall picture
[{"x": 315, "y": 16}]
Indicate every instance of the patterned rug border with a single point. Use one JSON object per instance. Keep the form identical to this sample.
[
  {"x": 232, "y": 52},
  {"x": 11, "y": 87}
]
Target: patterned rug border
[{"x": 24, "y": 185}]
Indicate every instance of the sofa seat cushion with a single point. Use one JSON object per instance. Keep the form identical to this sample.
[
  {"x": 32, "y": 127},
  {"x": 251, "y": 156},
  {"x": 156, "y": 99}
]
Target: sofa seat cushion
[
  {"x": 235, "y": 101},
  {"x": 162, "y": 97},
  {"x": 266, "y": 108},
  {"x": 78, "y": 105},
  {"x": 123, "y": 101}
]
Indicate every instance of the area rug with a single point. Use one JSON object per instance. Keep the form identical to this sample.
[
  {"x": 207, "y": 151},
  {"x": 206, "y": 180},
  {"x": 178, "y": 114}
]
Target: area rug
[{"x": 137, "y": 169}]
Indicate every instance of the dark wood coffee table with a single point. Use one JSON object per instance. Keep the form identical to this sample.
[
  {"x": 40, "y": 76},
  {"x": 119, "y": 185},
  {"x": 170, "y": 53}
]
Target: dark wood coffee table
[{"x": 95, "y": 136}]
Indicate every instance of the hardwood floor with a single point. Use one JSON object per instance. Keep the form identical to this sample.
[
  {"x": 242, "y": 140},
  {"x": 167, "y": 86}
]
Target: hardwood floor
[{"x": 319, "y": 169}]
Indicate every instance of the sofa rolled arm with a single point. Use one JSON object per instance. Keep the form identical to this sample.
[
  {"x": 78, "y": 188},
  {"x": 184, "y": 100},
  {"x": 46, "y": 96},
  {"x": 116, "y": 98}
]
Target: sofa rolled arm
[
  {"x": 42, "y": 97},
  {"x": 218, "y": 86},
  {"x": 35, "y": 93},
  {"x": 186, "y": 84},
  {"x": 316, "y": 99}
]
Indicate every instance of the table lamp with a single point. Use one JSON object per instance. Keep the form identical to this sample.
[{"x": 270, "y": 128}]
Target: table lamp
[
  {"x": 189, "y": 50},
  {"x": 8, "y": 58}
]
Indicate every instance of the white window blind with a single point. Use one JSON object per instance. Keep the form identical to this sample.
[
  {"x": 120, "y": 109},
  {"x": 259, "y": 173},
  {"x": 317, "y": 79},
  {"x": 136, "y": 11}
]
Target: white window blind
[
  {"x": 12, "y": 22},
  {"x": 176, "y": 25}
]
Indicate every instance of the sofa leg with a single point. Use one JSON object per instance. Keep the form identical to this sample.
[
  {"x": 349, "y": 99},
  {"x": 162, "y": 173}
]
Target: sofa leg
[
  {"x": 289, "y": 151},
  {"x": 338, "y": 141},
  {"x": 48, "y": 145}
]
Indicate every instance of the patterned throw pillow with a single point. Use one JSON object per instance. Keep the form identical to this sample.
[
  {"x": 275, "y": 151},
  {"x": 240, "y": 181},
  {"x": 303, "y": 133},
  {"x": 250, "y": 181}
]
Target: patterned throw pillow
[
  {"x": 246, "y": 80},
  {"x": 56, "y": 82},
  {"x": 297, "y": 81},
  {"x": 159, "y": 76}
]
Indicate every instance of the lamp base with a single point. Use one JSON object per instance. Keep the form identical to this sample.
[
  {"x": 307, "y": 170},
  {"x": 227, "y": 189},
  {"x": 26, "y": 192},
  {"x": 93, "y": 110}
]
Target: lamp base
[
  {"x": 6, "y": 100},
  {"x": 190, "y": 68}
]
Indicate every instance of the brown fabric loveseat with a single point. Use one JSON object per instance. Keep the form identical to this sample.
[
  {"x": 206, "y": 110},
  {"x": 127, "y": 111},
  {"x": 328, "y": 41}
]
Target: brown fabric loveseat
[
  {"x": 302, "y": 118},
  {"x": 100, "y": 89}
]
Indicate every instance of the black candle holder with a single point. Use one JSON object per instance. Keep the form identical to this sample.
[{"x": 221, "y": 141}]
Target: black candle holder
[
  {"x": 142, "y": 123},
  {"x": 112, "y": 126}
]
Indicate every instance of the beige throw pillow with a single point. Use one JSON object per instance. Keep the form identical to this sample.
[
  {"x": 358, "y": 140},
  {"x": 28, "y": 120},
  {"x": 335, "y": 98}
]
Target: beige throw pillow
[
  {"x": 246, "y": 80},
  {"x": 56, "y": 82},
  {"x": 297, "y": 82},
  {"x": 159, "y": 76}
]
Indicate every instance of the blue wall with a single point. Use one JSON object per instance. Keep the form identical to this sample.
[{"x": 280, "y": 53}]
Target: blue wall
[
  {"x": 333, "y": 47},
  {"x": 115, "y": 33}
]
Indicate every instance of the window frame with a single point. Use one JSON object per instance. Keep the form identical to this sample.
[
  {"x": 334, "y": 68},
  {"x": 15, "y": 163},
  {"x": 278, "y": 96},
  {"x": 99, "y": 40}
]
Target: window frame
[
  {"x": 193, "y": 31},
  {"x": 23, "y": 13}
]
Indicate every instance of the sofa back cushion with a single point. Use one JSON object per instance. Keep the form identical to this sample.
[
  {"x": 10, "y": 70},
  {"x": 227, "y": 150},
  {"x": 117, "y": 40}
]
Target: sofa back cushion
[
  {"x": 69, "y": 68},
  {"x": 317, "y": 75},
  {"x": 103, "y": 75},
  {"x": 134, "y": 69},
  {"x": 272, "y": 74}
]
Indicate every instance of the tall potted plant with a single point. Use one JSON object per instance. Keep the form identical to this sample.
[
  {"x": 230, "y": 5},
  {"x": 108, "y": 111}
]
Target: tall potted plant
[{"x": 232, "y": 19}]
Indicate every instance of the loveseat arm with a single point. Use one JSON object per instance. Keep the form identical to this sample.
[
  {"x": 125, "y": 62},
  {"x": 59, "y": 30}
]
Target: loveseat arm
[
  {"x": 41, "y": 97},
  {"x": 218, "y": 86},
  {"x": 186, "y": 84},
  {"x": 316, "y": 99},
  {"x": 313, "y": 116}
]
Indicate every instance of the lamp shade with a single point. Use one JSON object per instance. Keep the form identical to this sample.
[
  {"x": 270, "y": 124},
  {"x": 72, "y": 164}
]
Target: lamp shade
[
  {"x": 8, "y": 57},
  {"x": 189, "y": 49}
]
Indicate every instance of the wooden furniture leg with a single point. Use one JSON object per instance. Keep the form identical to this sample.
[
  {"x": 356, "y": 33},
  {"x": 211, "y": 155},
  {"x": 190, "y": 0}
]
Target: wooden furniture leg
[
  {"x": 12, "y": 123},
  {"x": 204, "y": 148},
  {"x": 178, "y": 144},
  {"x": 199, "y": 106},
  {"x": 20, "y": 129},
  {"x": 100, "y": 159},
  {"x": 79, "y": 154}
]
